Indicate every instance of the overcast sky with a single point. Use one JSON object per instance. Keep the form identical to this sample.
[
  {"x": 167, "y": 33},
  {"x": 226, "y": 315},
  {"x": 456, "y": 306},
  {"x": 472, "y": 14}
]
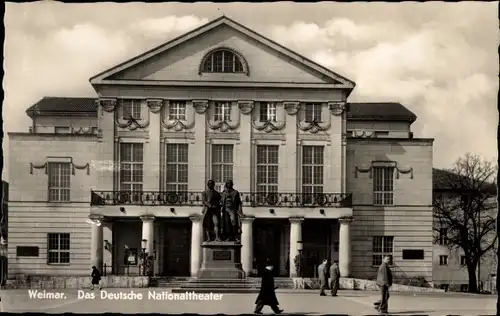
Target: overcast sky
[{"x": 438, "y": 59}]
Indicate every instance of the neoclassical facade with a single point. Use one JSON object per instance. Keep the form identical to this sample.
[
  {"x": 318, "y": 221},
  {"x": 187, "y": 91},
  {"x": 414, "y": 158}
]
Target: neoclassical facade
[{"x": 123, "y": 173}]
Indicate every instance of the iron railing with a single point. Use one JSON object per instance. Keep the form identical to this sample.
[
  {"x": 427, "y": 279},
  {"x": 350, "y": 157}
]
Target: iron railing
[{"x": 252, "y": 199}]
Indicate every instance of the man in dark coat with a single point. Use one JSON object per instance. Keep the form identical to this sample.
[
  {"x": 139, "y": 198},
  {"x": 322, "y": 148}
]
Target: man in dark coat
[
  {"x": 323, "y": 277},
  {"x": 96, "y": 278},
  {"x": 267, "y": 295},
  {"x": 335, "y": 277},
  {"x": 232, "y": 212},
  {"x": 384, "y": 282},
  {"x": 211, "y": 212}
]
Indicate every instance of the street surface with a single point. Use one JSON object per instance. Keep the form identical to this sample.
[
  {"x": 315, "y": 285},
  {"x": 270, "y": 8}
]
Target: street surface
[{"x": 293, "y": 302}]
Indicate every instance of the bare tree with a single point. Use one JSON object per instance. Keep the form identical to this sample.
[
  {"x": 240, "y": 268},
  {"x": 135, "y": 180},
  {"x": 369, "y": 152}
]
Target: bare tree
[{"x": 465, "y": 208}]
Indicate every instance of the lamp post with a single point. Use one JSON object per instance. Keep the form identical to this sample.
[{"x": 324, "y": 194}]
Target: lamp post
[
  {"x": 144, "y": 244},
  {"x": 300, "y": 246}
]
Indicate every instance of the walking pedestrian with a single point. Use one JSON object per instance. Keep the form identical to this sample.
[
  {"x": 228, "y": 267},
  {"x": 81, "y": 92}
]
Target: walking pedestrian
[
  {"x": 384, "y": 282},
  {"x": 96, "y": 278},
  {"x": 323, "y": 276},
  {"x": 335, "y": 277},
  {"x": 267, "y": 294}
]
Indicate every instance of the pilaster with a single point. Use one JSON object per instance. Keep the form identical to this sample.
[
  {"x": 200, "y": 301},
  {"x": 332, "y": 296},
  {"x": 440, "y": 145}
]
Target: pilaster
[
  {"x": 247, "y": 244},
  {"x": 295, "y": 238},
  {"x": 288, "y": 153},
  {"x": 197, "y": 151},
  {"x": 148, "y": 232},
  {"x": 96, "y": 241},
  {"x": 106, "y": 147},
  {"x": 345, "y": 246},
  {"x": 152, "y": 147},
  {"x": 108, "y": 243},
  {"x": 243, "y": 151},
  {"x": 196, "y": 239}
]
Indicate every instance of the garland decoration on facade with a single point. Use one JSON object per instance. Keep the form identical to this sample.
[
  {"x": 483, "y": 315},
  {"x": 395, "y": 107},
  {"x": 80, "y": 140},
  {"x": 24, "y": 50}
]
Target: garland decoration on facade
[
  {"x": 131, "y": 123},
  {"x": 38, "y": 166},
  {"x": 404, "y": 171},
  {"x": 398, "y": 170},
  {"x": 82, "y": 167},
  {"x": 313, "y": 127},
  {"x": 270, "y": 126},
  {"x": 176, "y": 124},
  {"x": 224, "y": 125}
]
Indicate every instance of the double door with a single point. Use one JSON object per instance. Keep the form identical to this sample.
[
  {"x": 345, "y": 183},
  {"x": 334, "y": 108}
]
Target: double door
[
  {"x": 267, "y": 245},
  {"x": 177, "y": 248}
]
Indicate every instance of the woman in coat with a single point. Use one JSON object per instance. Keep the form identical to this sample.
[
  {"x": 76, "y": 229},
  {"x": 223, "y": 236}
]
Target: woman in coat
[
  {"x": 96, "y": 278},
  {"x": 267, "y": 295}
]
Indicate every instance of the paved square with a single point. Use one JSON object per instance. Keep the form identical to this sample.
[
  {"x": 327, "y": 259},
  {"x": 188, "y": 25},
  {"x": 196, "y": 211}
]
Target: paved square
[{"x": 296, "y": 302}]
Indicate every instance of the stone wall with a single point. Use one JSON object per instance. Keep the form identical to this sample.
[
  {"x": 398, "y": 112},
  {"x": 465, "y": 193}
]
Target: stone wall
[{"x": 76, "y": 282}]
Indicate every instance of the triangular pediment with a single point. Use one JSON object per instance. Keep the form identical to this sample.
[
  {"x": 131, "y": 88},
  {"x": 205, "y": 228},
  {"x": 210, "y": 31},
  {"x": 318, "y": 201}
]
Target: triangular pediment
[{"x": 180, "y": 60}]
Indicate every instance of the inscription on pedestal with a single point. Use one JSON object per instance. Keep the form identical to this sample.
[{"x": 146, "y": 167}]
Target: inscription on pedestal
[{"x": 222, "y": 255}]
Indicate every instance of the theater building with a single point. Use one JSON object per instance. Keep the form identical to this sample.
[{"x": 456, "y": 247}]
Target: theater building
[{"x": 99, "y": 181}]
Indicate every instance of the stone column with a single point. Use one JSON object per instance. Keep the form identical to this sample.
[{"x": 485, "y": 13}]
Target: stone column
[
  {"x": 96, "y": 241},
  {"x": 148, "y": 232},
  {"x": 345, "y": 246},
  {"x": 295, "y": 237},
  {"x": 247, "y": 244},
  {"x": 196, "y": 239}
]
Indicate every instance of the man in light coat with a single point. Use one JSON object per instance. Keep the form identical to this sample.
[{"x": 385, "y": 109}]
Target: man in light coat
[
  {"x": 334, "y": 277},
  {"x": 323, "y": 276},
  {"x": 384, "y": 282}
]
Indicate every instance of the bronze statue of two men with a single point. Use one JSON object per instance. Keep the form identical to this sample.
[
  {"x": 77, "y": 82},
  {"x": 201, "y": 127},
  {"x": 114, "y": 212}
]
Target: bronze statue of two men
[{"x": 222, "y": 213}]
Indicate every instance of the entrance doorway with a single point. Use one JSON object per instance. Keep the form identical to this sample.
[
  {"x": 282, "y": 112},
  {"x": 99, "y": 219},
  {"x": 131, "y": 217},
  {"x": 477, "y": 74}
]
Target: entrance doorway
[
  {"x": 177, "y": 251},
  {"x": 267, "y": 233},
  {"x": 316, "y": 237}
]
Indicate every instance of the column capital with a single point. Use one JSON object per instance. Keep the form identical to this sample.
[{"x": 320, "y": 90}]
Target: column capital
[
  {"x": 195, "y": 217},
  {"x": 96, "y": 218},
  {"x": 248, "y": 218},
  {"x": 346, "y": 220},
  {"x": 296, "y": 219},
  {"x": 147, "y": 218}
]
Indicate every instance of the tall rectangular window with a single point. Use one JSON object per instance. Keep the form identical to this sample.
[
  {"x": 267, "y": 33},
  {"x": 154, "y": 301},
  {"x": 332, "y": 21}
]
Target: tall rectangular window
[
  {"x": 443, "y": 236},
  {"x": 222, "y": 164},
  {"x": 267, "y": 169},
  {"x": 131, "y": 109},
  {"x": 58, "y": 248},
  {"x": 59, "y": 181},
  {"x": 313, "y": 112},
  {"x": 177, "y": 110},
  {"x": 222, "y": 111},
  {"x": 312, "y": 171},
  {"x": 131, "y": 167},
  {"x": 383, "y": 185},
  {"x": 177, "y": 168},
  {"x": 382, "y": 246},
  {"x": 443, "y": 260},
  {"x": 267, "y": 112}
]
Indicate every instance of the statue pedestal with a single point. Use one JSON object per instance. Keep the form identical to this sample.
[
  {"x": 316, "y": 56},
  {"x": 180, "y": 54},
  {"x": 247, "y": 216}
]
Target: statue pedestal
[{"x": 221, "y": 260}]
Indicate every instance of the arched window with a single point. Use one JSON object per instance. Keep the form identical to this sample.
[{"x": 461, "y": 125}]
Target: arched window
[{"x": 223, "y": 60}]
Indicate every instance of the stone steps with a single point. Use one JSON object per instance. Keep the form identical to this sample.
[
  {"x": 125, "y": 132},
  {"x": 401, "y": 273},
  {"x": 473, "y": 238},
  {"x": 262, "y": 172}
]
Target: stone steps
[{"x": 216, "y": 290}]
